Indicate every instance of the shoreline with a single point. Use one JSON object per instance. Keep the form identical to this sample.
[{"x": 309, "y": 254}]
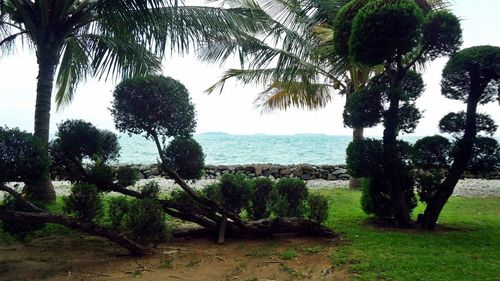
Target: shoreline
[{"x": 465, "y": 187}]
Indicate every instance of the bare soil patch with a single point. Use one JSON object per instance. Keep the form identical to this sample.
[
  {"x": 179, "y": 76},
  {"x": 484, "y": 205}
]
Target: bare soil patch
[{"x": 87, "y": 258}]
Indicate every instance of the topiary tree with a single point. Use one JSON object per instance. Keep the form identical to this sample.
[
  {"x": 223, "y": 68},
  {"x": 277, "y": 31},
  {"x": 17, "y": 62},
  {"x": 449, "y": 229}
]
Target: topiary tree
[
  {"x": 365, "y": 159},
  {"x": 471, "y": 76},
  {"x": 89, "y": 161},
  {"x": 295, "y": 193},
  {"x": 159, "y": 107},
  {"x": 259, "y": 198},
  {"x": 397, "y": 35}
]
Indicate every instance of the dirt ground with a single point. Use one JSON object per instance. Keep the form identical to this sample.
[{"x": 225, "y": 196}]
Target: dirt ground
[{"x": 88, "y": 258}]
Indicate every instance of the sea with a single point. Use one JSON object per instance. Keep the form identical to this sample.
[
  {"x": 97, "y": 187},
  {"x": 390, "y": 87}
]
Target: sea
[{"x": 228, "y": 149}]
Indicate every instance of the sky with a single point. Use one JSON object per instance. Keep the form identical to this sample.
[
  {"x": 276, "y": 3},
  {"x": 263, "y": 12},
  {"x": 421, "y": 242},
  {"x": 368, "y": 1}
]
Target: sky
[{"x": 234, "y": 111}]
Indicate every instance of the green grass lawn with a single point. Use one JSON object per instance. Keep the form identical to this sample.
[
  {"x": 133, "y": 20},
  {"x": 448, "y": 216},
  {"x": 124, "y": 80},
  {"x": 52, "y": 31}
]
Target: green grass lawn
[{"x": 469, "y": 250}]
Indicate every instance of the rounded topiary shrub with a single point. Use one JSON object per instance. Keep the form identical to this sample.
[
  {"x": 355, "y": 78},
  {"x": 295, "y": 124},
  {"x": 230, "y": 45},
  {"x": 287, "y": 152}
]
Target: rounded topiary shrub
[
  {"x": 431, "y": 152},
  {"x": 235, "y": 191},
  {"x": 382, "y": 30},
  {"x": 127, "y": 176},
  {"x": 318, "y": 208},
  {"x": 485, "y": 155},
  {"x": 186, "y": 157},
  {"x": 22, "y": 156},
  {"x": 261, "y": 192},
  {"x": 153, "y": 105},
  {"x": 214, "y": 193},
  {"x": 363, "y": 108},
  {"x": 295, "y": 192},
  {"x": 145, "y": 221},
  {"x": 84, "y": 202},
  {"x": 364, "y": 159}
]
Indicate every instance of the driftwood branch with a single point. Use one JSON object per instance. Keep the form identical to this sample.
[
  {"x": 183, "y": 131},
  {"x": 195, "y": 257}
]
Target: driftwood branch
[
  {"x": 38, "y": 215},
  {"x": 46, "y": 217}
]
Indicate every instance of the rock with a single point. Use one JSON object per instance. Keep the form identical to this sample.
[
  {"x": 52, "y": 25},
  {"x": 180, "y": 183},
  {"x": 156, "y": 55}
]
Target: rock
[
  {"x": 258, "y": 170},
  {"x": 297, "y": 172},
  {"x": 306, "y": 168},
  {"x": 340, "y": 171},
  {"x": 344, "y": 177},
  {"x": 306, "y": 176},
  {"x": 285, "y": 172},
  {"x": 331, "y": 177}
]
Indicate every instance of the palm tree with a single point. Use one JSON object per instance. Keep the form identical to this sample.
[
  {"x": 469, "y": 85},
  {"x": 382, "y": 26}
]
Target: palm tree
[
  {"x": 295, "y": 61},
  {"x": 77, "y": 39}
]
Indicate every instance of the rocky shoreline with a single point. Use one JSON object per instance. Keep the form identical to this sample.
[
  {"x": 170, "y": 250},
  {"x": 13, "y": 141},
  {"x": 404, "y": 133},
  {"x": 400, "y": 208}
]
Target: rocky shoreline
[{"x": 275, "y": 171}]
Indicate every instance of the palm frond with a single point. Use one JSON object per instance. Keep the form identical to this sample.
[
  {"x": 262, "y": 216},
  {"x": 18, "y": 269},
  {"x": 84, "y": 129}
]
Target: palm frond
[
  {"x": 279, "y": 95},
  {"x": 74, "y": 68}
]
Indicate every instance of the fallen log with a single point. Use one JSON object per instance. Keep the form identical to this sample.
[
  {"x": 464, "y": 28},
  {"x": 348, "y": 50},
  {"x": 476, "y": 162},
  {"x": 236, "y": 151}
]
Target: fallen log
[
  {"x": 263, "y": 228},
  {"x": 134, "y": 248}
]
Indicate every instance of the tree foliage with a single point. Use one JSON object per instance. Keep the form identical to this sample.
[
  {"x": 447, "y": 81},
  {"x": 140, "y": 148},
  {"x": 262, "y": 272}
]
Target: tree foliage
[
  {"x": 96, "y": 148},
  {"x": 475, "y": 66},
  {"x": 384, "y": 30},
  {"x": 22, "y": 156},
  {"x": 153, "y": 105},
  {"x": 185, "y": 155},
  {"x": 454, "y": 123}
]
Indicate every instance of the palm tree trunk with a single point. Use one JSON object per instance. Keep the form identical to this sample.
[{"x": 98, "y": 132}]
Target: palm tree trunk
[
  {"x": 42, "y": 189},
  {"x": 357, "y": 134}
]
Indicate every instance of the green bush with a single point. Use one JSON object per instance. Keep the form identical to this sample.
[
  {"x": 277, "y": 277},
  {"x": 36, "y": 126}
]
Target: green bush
[
  {"x": 84, "y": 202},
  {"x": 295, "y": 192},
  {"x": 365, "y": 159},
  {"x": 186, "y": 157},
  {"x": 261, "y": 192},
  {"x": 278, "y": 204},
  {"x": 363, "y": 108},
  {"x": 485, "y": 155},
  {"x": 235, "y": 190},
  {"x": 427, "y": 184},
  {"x": 22, "y": 156},
  {"x": 145, "y": 221},
  {"x": 362, "y": 155},
  {"x": 318, "y": 208},
  {"x": 118, "y": 208},
  {"x": 214, "y": 193},
  {"x": 431, "y": 152},
  {"x": 101, "y": 175},
  {"x": 19, "y": 230},
  {"x": 80, "y": 144},
  {"x": 150, "y": 189},
  {"x": 127, "y": 176},
  {"x": 376, "y": 200}
]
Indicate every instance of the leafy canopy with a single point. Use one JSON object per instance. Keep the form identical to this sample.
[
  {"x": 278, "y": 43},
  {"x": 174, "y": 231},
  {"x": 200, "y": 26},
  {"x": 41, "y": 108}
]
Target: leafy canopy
[
  {"x": 476, "y": 71},
  {"x": 153, "y": 105}
]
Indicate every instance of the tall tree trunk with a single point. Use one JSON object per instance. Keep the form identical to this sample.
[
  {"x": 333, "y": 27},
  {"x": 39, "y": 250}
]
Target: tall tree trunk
[
  {"x": 391, "y": 162},
  {"x": 462, "y": 157},
  {"x": 357, "y": 134},
  {"x": 42, "y": 189}
]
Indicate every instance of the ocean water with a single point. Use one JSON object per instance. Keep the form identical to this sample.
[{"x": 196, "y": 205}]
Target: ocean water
[{"x": 226, "y": 149}]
